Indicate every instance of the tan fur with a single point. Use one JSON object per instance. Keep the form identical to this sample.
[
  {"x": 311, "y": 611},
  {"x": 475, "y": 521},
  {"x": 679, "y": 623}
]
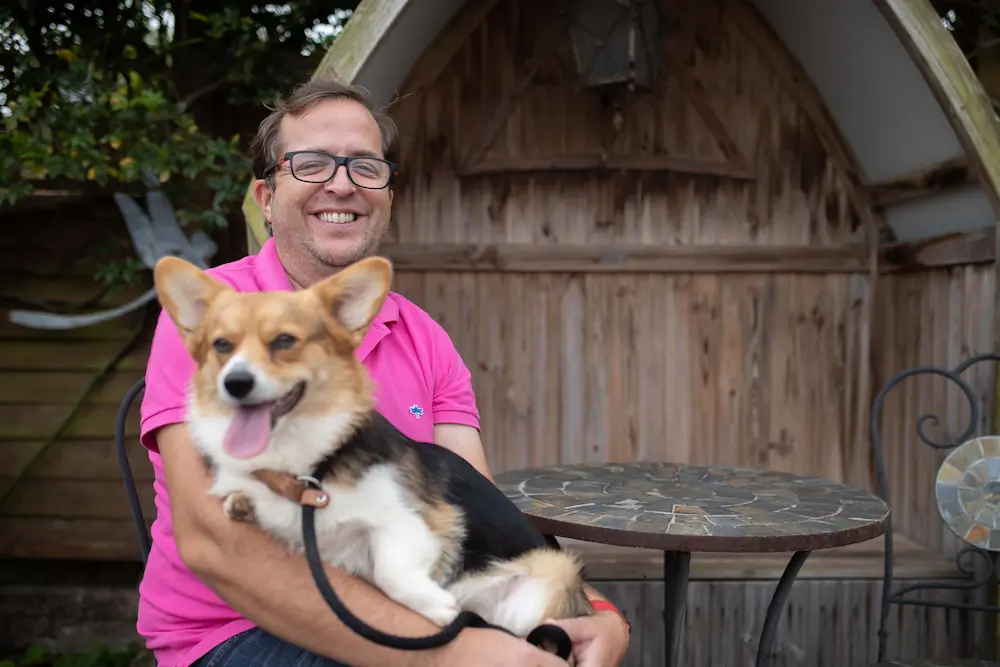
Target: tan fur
[
  {"x": 446, "y": 522},
  {"x": 240, "y": 508},
  {"x": 381, "y": 515},
  {"x": 564, "y": 572}
]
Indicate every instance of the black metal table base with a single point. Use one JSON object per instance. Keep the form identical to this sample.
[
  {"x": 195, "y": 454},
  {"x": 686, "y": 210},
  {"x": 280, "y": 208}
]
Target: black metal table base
[{"x": 676, "y": 571}]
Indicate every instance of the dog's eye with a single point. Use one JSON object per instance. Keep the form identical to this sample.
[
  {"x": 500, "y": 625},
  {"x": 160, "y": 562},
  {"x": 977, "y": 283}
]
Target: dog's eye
[
  {"x": 222, "y": 346},
  {"x": 282, "y": 342}
]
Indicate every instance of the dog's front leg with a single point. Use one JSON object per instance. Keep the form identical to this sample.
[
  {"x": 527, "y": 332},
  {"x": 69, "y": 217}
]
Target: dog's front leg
[
  {"x": 404, "y": 552},
  {"x": 236, "y": 502}
]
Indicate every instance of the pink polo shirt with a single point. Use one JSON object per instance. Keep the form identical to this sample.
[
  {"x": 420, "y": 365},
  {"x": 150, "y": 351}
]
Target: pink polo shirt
[{"x": 421, "y": 379}]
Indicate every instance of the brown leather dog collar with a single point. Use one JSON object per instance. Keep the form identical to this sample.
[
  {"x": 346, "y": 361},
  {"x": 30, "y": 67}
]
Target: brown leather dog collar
[{"x": 293, "y": 488}]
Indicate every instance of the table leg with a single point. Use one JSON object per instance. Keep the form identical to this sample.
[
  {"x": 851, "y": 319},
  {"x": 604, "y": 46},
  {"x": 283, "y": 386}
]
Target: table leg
[
  {"x": 778, "y": 599},
  {"x": 676, "y": 566}
]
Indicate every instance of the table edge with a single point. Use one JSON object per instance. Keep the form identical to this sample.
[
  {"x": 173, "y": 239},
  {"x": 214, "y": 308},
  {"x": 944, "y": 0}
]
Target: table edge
[{"x": 712, "y": 543}]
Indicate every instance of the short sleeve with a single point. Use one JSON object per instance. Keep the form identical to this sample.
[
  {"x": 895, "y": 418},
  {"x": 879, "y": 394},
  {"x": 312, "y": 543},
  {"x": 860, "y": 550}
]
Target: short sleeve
[
  {"x": 168, "y": 376},
  {"x": 454, "y": 400}
]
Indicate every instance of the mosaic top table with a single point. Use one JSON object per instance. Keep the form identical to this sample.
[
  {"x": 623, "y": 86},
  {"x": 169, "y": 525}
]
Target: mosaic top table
[{"x": 680, "y": 509}]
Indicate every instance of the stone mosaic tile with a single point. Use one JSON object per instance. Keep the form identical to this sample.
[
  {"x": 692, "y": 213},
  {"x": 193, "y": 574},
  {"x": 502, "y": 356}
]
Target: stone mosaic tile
[
  {"x": 967, "y": 492},
  {"x": 696, "y": 508}
]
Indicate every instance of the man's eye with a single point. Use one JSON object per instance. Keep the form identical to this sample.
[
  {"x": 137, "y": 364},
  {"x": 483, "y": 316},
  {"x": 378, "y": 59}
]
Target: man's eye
[
  {"x": 222, "y": 346},
  {"x": 282, "y": 342}
]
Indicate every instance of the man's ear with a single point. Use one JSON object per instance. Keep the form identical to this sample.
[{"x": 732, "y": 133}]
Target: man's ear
[
  {"x": 185, "y": 292},
  {"x": 353, "y": 296},
  {"x": 263, "y": 195}
]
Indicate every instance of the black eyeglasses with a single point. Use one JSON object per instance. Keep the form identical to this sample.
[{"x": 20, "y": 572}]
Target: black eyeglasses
[{"x": 364, "y": 171}]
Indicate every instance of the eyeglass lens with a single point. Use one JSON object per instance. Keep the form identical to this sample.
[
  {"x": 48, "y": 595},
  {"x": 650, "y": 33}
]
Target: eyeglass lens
[{"x": 318, "y": 168}]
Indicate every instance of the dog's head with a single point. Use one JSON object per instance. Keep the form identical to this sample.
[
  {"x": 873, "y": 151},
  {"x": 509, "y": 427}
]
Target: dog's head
[{"x": 273, "y": 361}]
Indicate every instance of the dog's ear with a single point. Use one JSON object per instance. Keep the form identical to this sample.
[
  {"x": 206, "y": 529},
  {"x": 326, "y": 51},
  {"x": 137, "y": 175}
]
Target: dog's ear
[
  {"x": 354, "y": 295},
  {"x": 185, "y": 291}
]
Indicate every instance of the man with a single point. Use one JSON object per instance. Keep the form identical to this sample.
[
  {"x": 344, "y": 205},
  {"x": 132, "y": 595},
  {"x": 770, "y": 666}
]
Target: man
[{"x": 218, "y": 592}]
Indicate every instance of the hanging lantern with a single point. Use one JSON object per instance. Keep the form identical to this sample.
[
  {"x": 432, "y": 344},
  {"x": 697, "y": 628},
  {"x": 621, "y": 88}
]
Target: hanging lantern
[{"x": 616, "y": 42}]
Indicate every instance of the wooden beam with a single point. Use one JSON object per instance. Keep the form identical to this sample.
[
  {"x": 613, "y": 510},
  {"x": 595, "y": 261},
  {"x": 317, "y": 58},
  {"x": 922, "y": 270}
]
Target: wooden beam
[
  {"x": 547, "y": 46},
  {"x": 441, "y": 51},
  {"x": 962, "y": 248},
  {"x": 626, "y": 258},
  {"x": 597, "y": 162},
  {"x": 954, "y": 84},
  {"x": 362, "y": 36},
  {"x": 697, "y": 96},
  {"x": 921, "y": 182}
]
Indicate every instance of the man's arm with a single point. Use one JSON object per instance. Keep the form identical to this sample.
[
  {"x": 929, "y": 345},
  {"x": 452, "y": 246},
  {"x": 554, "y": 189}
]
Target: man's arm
[
  {"x": 269, "y": 585},
  {"x": 464, "y": 441}
]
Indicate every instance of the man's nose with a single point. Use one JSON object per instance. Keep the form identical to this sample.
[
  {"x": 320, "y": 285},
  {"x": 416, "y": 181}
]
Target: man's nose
[{"x": 340, "y": 183}]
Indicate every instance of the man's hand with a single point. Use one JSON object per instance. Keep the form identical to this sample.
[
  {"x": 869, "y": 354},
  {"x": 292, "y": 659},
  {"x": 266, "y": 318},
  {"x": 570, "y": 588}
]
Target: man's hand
[
  {"x": 481, "y": 647},
  {"x": 598, "y": 641}
]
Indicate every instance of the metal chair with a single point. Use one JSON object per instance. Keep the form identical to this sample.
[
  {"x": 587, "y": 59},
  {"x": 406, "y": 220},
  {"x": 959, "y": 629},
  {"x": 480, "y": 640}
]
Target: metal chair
[
  {"x": 980, "y": 564},
  {"x": 145, "y": 539}
]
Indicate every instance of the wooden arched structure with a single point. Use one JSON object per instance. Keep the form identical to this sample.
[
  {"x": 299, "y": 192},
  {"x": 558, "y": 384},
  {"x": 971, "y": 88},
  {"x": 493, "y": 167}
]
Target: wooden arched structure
[
  {"x": 723, "y": 273},
  {"x": 383, "y": 42}
]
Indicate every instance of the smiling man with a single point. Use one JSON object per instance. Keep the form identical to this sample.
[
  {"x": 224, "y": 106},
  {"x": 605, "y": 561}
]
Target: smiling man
[
  {"x": 221, "y": 593},
  {"x": 320, "y": 222}
]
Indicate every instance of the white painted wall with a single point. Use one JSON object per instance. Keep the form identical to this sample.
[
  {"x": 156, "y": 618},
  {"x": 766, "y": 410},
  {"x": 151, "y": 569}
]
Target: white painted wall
[{"x": 883, "y": 106}]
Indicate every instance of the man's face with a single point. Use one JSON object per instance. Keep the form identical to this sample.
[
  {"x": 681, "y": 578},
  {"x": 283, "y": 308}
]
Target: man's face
[{"x": 321, "y": 227}]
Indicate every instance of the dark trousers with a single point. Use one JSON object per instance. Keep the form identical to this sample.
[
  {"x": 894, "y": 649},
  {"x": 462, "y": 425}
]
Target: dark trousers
[{"x": 258, "y": 648}]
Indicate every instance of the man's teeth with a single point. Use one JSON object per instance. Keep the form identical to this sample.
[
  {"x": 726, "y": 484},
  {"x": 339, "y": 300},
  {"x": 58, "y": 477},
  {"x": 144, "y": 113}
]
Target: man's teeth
[{"x": 337, "y": 217}]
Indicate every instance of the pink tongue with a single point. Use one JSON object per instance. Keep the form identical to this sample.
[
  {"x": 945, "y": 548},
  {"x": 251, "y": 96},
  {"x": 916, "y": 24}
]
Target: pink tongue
[{"x": 248, "y": 432}]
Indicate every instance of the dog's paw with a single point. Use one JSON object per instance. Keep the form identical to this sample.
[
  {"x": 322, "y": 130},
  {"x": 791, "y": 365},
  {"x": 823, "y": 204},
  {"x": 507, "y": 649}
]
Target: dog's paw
[
  {"x": 441, "y": 608},
  {"x": 441, "y": 615},
  {"x": 238, "y": 507}
]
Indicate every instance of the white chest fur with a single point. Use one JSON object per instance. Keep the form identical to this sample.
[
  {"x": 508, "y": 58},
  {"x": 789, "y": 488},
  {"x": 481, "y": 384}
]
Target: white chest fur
[
  {"x": 368, "y": 529},
  {"x": 355, "y": 517}
]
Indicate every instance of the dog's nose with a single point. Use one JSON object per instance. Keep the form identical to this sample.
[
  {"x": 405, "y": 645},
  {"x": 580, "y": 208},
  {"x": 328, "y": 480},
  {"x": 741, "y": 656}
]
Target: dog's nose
[{"x": 239, "y": 383}]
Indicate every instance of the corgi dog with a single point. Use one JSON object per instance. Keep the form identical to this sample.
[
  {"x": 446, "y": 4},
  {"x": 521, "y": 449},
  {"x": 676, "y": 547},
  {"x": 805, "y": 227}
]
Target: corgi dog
[{"x": 278, "y": 391}]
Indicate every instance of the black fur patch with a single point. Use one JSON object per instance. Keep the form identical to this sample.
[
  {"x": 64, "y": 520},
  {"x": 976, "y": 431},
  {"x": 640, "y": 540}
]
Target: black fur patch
[{"x": 495, "y": 527}]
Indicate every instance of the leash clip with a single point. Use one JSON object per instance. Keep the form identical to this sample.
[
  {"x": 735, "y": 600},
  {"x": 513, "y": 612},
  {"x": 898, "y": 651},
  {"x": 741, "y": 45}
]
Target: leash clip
[
  {"x": 308, "y": 481},
  {"x": 312, "y": 493}
]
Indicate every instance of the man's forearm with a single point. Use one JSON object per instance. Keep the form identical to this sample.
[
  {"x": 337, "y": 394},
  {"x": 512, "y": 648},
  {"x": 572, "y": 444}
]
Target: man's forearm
[{"x": 275, "y": 590}]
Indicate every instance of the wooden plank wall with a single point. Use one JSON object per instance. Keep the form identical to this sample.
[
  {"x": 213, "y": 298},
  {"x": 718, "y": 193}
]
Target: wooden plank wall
[
  {"x": 70, "y": 501},
  {"x": 826, "y": 623},
  {"x": 735, "y": 370},
  {"x": 940, "y": 318}
]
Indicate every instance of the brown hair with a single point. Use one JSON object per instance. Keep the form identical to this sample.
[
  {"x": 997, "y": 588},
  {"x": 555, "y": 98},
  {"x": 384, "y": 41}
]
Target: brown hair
[{"x": 266, "y": 146}]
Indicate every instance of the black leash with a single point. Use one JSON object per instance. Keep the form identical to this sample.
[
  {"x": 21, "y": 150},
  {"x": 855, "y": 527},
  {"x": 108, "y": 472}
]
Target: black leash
[{"x": 547, "y": 634}]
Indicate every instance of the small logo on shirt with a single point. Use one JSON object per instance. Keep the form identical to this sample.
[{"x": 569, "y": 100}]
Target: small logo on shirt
[{"x": 416, "y": 411}]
